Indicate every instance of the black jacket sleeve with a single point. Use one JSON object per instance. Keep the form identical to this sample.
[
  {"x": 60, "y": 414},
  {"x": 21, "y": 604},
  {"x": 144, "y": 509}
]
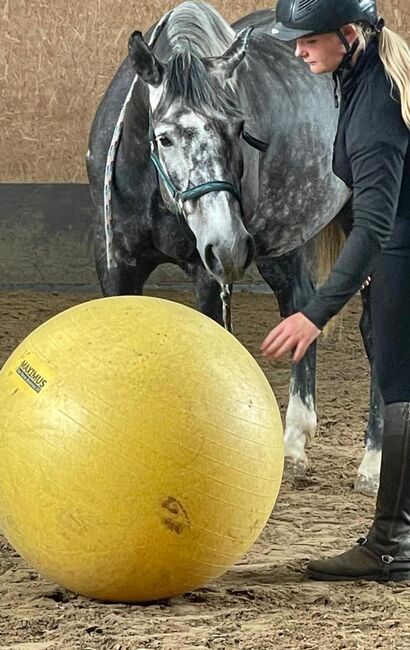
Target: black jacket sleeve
[{"x": 376, "y": 145}]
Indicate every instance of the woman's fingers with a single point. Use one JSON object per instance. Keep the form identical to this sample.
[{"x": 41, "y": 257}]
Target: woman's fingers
[
  {"x": 287, "y": 346},
  {"x": 295, "y": 333},
  {"x": 300, "y": 351},
  {"x": 273, "y": 342}
]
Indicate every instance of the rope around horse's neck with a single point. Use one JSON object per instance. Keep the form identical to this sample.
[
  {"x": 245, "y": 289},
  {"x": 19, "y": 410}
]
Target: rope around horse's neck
[
  {"x": 109, "y": 172},
  {"x": 112, "y": 152}
]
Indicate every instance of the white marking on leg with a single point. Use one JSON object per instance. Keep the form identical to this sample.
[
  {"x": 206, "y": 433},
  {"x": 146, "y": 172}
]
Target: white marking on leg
[
  {"x": 370, "y": 466},
  {"x": 368, "y": 474},
  {"x": 300, "y": 427}
]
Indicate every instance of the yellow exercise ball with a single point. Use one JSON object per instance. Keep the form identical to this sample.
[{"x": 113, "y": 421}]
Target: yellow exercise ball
[{"x": 141, "y": 449}]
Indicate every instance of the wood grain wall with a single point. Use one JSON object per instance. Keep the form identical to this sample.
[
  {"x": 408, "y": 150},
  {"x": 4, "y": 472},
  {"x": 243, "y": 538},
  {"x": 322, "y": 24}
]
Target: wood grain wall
[{"x": 56, "y": 59}]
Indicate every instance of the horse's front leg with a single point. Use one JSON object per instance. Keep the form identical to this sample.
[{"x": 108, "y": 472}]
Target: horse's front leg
[
  {"x": 291, "y": 282},
  {"x": 301, "y": 419},
  {"x": 207, "y": 292},
  {"x": 129, "y": 274},
  {"x": 367, "y": 481}
]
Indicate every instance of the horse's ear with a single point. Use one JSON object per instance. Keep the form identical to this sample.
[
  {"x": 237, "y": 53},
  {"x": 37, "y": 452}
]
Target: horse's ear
[
  {"x": 224, "y": 66},
  {"x": 145, "y": 63}
]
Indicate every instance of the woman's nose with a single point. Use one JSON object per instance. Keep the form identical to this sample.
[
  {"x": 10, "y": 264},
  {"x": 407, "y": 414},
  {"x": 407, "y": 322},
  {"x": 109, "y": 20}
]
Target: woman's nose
[{"x": 300, "y": 51}]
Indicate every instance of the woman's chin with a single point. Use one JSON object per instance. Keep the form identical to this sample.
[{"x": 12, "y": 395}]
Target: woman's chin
[{"x": 317, "y": 68}]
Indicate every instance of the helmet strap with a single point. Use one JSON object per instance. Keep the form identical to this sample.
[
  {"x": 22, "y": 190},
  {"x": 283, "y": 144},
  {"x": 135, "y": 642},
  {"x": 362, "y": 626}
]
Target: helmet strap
[
  {"x": 344, "y": 40},
  {"x": 346, "y": 63},
  {"x": 350, "y": 50}
]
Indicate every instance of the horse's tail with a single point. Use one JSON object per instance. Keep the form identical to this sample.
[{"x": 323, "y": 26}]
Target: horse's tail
[{"x": 328, "y": 245}]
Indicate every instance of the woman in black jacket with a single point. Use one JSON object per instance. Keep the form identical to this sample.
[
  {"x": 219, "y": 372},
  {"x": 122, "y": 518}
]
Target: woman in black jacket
[{"x": 371, "y": 64}]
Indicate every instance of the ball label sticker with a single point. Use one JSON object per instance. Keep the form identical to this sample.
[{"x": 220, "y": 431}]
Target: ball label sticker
[{"x": 31, "y": 376}]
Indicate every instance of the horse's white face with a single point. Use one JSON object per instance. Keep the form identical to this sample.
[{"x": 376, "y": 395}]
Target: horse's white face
[{"x": 194, "y": 150}]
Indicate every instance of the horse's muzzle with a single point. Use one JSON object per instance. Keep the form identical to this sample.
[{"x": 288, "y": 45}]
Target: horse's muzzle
[{"x": 229, "y": 263}]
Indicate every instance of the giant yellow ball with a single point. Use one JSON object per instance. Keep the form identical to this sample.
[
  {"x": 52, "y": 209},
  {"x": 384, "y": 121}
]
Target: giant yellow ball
[{"x": 140, "y": 449}]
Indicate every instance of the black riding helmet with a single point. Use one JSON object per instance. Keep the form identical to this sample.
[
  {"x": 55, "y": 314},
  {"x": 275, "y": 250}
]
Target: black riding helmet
[{"x": 299, "y": 18}]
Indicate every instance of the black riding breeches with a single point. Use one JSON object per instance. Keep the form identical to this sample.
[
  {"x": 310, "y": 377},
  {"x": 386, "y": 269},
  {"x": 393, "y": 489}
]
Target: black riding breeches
[{"x": 390, "y": 312}]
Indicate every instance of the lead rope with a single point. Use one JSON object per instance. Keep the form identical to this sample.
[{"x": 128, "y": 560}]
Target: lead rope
[
  {"x": 112, "y": 152},
  {"x": 226, "y": 306}
]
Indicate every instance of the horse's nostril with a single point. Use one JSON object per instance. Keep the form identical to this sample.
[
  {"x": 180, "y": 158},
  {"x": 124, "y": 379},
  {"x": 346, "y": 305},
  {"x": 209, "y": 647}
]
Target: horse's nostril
[{"x": 210, "y": 257}]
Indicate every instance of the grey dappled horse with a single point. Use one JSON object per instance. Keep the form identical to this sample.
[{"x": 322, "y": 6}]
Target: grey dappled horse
[{"x": 224, "y": 158}]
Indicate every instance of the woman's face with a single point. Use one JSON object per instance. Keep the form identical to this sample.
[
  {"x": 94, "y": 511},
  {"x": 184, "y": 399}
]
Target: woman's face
[{"x": 322, "y": 52}]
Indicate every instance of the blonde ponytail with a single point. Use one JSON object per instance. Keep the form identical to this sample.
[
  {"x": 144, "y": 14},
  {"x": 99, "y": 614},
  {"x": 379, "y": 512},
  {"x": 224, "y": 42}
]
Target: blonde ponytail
[{"x": 395, "y": 56}]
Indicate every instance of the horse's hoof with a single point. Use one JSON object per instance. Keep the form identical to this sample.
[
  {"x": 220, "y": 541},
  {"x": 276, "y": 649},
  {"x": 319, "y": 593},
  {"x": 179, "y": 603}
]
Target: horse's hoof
[
  {"x": 295, "y": 468},
  {"x": 367, "y": 485}
]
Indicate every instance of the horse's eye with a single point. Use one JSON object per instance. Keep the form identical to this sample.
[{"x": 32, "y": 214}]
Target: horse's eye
[{"x": 165, "y": 141}]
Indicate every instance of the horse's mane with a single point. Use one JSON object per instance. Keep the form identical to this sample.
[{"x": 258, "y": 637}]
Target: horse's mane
[
  {"x": 197, "y": 22},
  {"x": 188, "y": 80},
  {"x": 195, "y": 31}
]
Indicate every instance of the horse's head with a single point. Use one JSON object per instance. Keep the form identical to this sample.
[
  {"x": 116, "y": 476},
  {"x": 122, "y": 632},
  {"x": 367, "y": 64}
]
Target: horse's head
[{"x": 196, "y": 131}]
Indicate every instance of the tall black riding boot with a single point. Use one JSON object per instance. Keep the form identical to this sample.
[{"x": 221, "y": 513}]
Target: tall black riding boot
[{"x": 385, "y": 553}]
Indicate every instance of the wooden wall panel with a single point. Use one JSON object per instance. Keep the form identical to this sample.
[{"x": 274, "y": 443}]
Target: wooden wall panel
[
  {"x": 397, "y": 15},
  {"x": 56, "y": 59}
]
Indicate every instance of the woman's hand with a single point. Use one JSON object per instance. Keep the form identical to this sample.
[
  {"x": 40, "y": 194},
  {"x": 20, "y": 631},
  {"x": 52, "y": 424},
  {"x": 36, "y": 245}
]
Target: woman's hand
[{"x": 295, "y": 333}]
